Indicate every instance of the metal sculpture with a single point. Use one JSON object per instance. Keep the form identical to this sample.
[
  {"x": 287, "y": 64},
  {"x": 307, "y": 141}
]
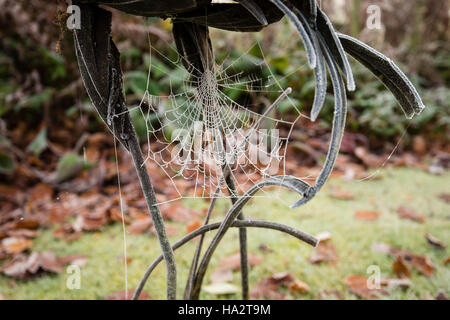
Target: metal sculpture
[{"x": 99, "y": 62}]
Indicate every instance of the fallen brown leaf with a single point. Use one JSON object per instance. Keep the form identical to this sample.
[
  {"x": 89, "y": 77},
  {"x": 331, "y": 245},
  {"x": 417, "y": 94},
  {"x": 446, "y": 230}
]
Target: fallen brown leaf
[
  {"x": 179, "y": 213},
  {"x": 73, "y": 259},
  {"x": 15, "y": 245},
  {"x": 126, "y": 259},
  {"x": 369, "y": 159},
  {"x": 419, "y": 145},
  {"x": 23, "y": 233},
  {"x": 358, "y": 285},
  {"x": 434, "y": 241},
  {"x": 234, "y": 261},
  {"x": 298, "y": 286},
  {"x": 324, "y": 252},
  {"x": 116, "y": 215},
  {"x": 445, "y": 197},
  {"x": 41, "y": 193},
  {"x": 193, "y": 225},
  {"x": 423, "y": 264},
  {"x": 67, "y": 233},
  {"x": 395, "y": 283},
  {"x": 89, "y": 223},
  {"x": 342, "y": 195},
  {"x": 446, "y": 261},
  {"x": 140, "y": 226},
  {"x": 404, "y": 257},
  {"x": 11, "y": 194},
  {"x": 23, "y": 267},
  {"x": 406, "y": 213},
  {"x": 264, "y": 248},
  {"x": 400, "y": 268},
  {"x": 367, "y": 215},
  {"x": 268, "y": 288}
]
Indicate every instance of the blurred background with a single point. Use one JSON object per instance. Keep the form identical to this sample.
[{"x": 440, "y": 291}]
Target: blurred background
[{"x": 59, "y": 199}]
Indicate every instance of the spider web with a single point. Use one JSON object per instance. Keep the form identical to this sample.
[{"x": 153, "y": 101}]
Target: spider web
[{"x": 218, "y": 120}]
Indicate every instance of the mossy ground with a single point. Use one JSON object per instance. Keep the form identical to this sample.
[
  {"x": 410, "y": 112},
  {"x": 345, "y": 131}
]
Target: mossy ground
[{"x": 104, "y": 272}]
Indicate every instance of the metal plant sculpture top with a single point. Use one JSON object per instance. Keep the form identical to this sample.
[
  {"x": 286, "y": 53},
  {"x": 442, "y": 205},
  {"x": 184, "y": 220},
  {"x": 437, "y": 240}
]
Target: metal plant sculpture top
[{"x": 99, "y": 62}]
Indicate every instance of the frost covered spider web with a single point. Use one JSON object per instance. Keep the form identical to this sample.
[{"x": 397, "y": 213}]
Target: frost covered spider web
[{"x": 219, "y": 120}]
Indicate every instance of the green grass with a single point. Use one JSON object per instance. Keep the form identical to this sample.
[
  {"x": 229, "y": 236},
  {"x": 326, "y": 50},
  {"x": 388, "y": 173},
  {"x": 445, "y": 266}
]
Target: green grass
[{"x": 104, "y": 272}]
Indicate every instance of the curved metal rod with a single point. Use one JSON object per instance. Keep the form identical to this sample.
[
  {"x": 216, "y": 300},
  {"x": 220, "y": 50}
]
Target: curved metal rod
[
  {"x": 310, "y": 52},
  {"x": 289, "y": 182},
  {"x": 320, "y": 71},
  {"x": 99, "y": 62},
  {"x": 388, "y": 73},
  {"x": 340, "y": 112},
  {"x": 303, "y": 236},
  {"x": 325, "y": 27}
]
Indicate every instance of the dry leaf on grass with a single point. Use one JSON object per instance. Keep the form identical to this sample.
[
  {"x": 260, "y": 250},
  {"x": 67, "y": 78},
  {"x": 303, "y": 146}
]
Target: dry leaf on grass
[
  {"x": 15, "y": 245},
  {"x": 115, "y": 214},
  {"x": 367, "y": 215},
  {"x": 423, "y": 264},
  {"x": 27, "y": 223},
  {"x": 392, "y": 283},
  {"x": 446, "y": 261},
  {"x": 234, "y": 261},
  {"x": 67, "y": 233},
  {"x": 369, "y": 159},
  {"x": 74, "y": 259},
  {"x": 434, "y": 241},
  {"x": 22, "y": 267},
  {"x": 41, "y": 193},
  {"x": 264, "y": 248},
  {"x": 140, "y": 226},
  {"x": 342, "y": 195},
  {"x": 22, "y": 233},
  {"x": 445, "y": 197},
  {"x": 400, "y": 268},
  {"x": 89, "y": 223},
  {"x": 178, "y": 213},
  {"x": 358, "y": 285},
  {"x": 298, "y": 286},
  {"x": 268, "y": 288},
  {"x": 193, "y": 225},
  {"x": 406, "y": 213},
  {"x": 324, "y": 252}
]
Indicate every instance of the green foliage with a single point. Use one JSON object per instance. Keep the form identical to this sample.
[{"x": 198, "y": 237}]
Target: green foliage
[
  {"x": 376, "y": 111},
  {"x": 39, "y": 143},
  {"x": 69, "y": 166},
  {"x": 6, "y": 163}
]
